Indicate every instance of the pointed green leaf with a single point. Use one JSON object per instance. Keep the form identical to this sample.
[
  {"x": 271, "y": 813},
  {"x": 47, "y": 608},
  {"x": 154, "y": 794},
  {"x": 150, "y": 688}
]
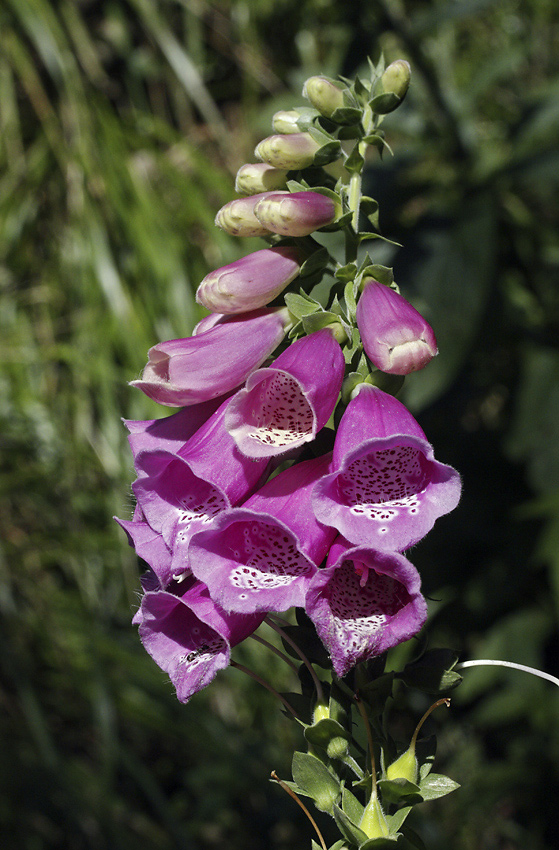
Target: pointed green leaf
[
  {"x": 351, "y": 806},
  {"x": 313, "y": 777},
  {"x": 436, "y": 785},
  {"x": 349, "y": 830}
]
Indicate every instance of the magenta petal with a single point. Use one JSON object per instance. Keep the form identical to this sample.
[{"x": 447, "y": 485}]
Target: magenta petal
[
  {"x": 284, "y": 406},
  {"x": 189, "y": 637},
  {"x": 168, "y": 434},
  {"x": 149, "y": 546},
  {"x": 185, "y": 491},
  {"x": 363, "y": 603},
  {"x": 183, "y": 372},
  {"x": 261, "y": 556}
]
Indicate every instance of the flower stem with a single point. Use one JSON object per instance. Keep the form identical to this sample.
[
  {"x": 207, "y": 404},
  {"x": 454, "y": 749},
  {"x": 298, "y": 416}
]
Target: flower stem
[
  {"x": 273, "y": 625},
  {"x": 274, "y": 649},
  {"x": 489, "y": 662},
  {"x": 265, "y": 684},
  {"x": 294, "y": 796}
]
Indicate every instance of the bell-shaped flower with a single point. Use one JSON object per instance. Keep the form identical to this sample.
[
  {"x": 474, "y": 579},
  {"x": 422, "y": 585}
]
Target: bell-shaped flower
[
  {"x": 387, "y": 489},
  {"x": 251, "y": 282},
  {"x": 363, "y": 603},
  {"x": 255, "y": 177},
  {"x": 284, "y": 405},
  {"x": 186, "y": 489},
  {"x": 292, "y": 151},
  {"x": 395, "y": 336},
  {"x": 294, "y": 213},
  {"x": 238, "y": 216},
  {"x": 189, "y": 637},
  {"x": 183, "y": 372},
  {"x": 261, "y": 556}
]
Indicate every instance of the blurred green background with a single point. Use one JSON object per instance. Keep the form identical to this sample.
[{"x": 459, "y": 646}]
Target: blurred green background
[{"x": 122, "y": 123}]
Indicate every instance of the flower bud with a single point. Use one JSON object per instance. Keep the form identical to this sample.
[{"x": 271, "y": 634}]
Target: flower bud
[
  {"x": 238, "y": 218},
  {"x": 395, "y": 336},
  {"x": 295, "y": 214},
  {"x": 324, "y": 95},
  {"x": 285, "y": 121},
  {"x": 255, "y": 177},
  {"x": 288, "y": 151},
  {"x": 396, "y": 78},
  {"x": 374, "y": 823},
  {"x": 249, "y": 283},
  {"x": 405, "y": 767}
]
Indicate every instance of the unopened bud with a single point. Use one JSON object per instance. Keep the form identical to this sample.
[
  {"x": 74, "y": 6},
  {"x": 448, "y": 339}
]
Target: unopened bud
[
  {"x": 374, "y": 823},
  {"x": 295, "y": 214},
  {"x": 249, "y": 283},
  {"x": 256, "y": 177},
  {"x": 323, "y": 94},
  {"x": 285, "y": 121},
  {"x": 405, "y": 767},
  {"x": 395, "y": 336},
  {"x": 238, "y": 218},
  {"x": 396, "y": 78},
  {"x": 288, "y": 151}
]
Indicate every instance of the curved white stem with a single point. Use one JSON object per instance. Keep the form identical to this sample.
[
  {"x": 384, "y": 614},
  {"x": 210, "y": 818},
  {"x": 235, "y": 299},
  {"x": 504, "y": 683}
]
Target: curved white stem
[{"x": 488, "y": 662}]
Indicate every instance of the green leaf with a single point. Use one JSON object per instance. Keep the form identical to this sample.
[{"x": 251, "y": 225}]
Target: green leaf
[
  {"x": 328, "y": 153},
  {"x": 322, "y": 732},
  {"x": 317, "y": 321},
  {"x": 313, "y": 777},
  {"x": 346, "y": 115},
  {"x": 393, "y": 790},
  {"x": 301, "y": 305},
  {"x": 386, "y": 102},
  {"x": 349, "y": 830},
  {"x": 436, "y": 785},
  {"x": 396, "y": 820},
  {"x": 315, "y": 263},
  {"x": 351, "y": 806},
  {"x": 355, "y": 161}
]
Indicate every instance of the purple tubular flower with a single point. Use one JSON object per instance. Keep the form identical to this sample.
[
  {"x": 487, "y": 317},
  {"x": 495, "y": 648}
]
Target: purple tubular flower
[
  {"x": 363, "y": 603},
  {"x": 388, "y": 489},
  {"x": 251, "y": 282},
  {"x": 184, "y": 491},
  {"x": 238, "y": 216},
  {"x": 189, "y": 637},
  {"x": 285, "y": 405},
  {"x": 261, "y": 556},
  {"x": 295, "y": 214},
  {"x": 183, "y": 372},
  {"x": 396, "y": 338},
  {"x": 167, "y": 434}
]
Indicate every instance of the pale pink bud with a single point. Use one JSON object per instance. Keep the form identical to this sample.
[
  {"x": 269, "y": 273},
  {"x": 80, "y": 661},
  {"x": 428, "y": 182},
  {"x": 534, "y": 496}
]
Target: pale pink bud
[
  {"x": 238, "y": 218},
  {"x": 285, "y": 121},
  {"x": 255, "y": 177},
  {"x": 396, "y": 338},
  {"x": 295, "y": 214},
  {"x": 288, "y": 151},
  {"x": 249, "y": 283}
]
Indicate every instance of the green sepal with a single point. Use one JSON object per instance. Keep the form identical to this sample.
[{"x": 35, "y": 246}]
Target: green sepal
[
  {"x": 346, "y": 273},
  {"x": 317, "y": 262},
  {"x": 300, "y": 305},
  {"x": 351, "y": 806},
  {"x": 360, "y": 89},
  {"x": 307, "y": 117},
  {"x": 329, "y": 152},
  {"x": 349, "y": 830},
  {"x": 370, "y": 208},
  {"x": 386, "y": 102},
  {"x": 377, "y": 140},
  {"x": 350, "y": 131},
  {"x": 317, "y": 321},
  {"x": 346, "y": 115},
  {"x": 425, "y": 751},
  {"x": 396, "y": 820},
  {"x": 366, "y": 234},
  {"x": 313, "y": 777},
  {"x": 355, "y": 161},
  {"x": 437, "y": 785},
  {"x": 329, "y": 735},
  {"x": 349, "y": 297},
  {"x": 383, "y": 274},
  {"x": 433, "y": 672},
  {"x": 393, "y": 790},
  {"x": 385, "y": 841}
]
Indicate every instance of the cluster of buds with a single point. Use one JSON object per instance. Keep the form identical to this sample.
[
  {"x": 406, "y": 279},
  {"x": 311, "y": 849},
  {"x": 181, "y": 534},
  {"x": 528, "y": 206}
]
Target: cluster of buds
[{"x": 228, "y": 538}]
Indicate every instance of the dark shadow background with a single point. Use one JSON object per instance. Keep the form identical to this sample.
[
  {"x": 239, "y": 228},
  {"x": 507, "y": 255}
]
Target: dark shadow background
[{"x": 122, "y": 125}]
